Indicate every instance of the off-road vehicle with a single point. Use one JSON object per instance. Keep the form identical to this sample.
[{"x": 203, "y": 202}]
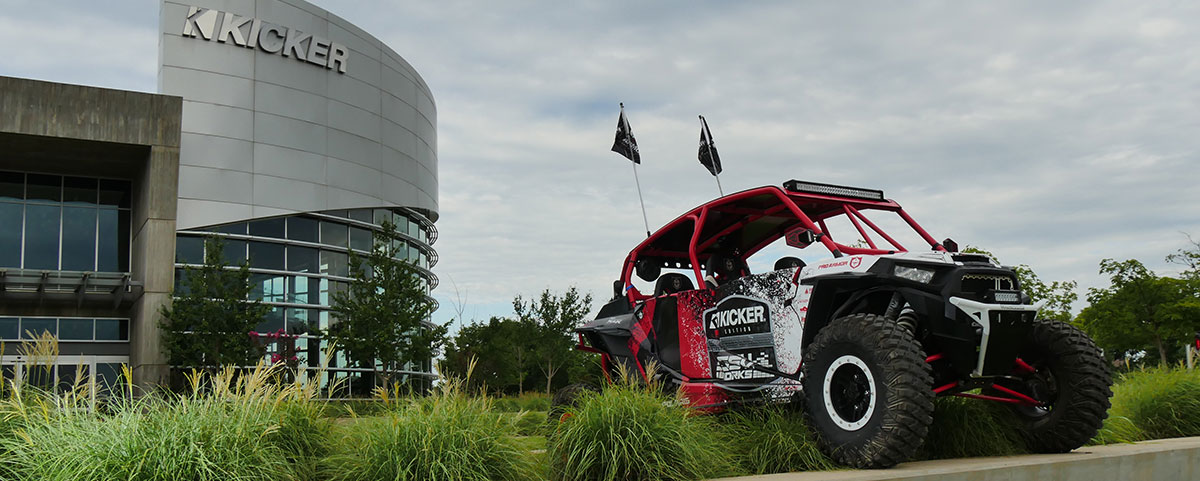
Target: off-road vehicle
[{"x": 864, "y": 340}]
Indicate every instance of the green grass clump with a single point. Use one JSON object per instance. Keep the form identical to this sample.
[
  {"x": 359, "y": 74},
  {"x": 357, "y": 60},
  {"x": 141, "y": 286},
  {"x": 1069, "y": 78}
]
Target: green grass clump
[
  {"x": 1153, "y": 404},
  {"x": 774, "y": 439},
  {"x": 239, "y": 427},
  {"x": 530, "y": 401},
  {"x": 969, "y": 428},
  {"x": 635, "y": 433},
  {"x": 529, "y": 423},
  {"x": 446, "y": 436}
]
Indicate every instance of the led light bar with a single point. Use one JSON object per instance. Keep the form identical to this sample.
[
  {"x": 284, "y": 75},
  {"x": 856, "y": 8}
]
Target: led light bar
[{"x": 830, "y": 189}]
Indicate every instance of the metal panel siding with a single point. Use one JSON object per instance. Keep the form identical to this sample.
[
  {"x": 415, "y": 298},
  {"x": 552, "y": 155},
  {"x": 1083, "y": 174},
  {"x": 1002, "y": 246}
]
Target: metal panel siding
[{"x": 269, "y": 134}]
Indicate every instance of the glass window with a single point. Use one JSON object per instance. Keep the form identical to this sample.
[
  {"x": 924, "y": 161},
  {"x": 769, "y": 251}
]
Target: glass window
[
  {"x": 41, "y": 236},
  {"x": 266, "y": 255},
  {"x": 334, "y": 234},
  {"x": 272, "y": 322},
  {"x": 180, "y": 282},
  {"x": 336, "y": 213},
  {"x": 401, "y": 223},
  {"x": 79, "y": 190},
  {"x": 43, "y": 188},
  {"x": 108, "y": 377},
  {"x": 75, "y": 329},
  {"x": 360, "y": 239},
  {"x": 79, "y": 239},
  {"x": 297, "y": 322},
  {"x": 414, "y": 229},
  {"x": 268, "y": 227},
  {"x": 234, "y": 252},
  {"x": 303, "y": 289},
  {"x": 302, "y": 259},
  {"x": 335, "y": 263},
  {"x": 66, "y": 376},
  {"x": 113, "y": 241},
  {"x": 10, "y": 328},
  {"x": 267, "y": 287},
  {"x": 381, "y": 216},
  {"x": 302, "y": 229},
  {"x": 12, "y": 186},
  {"x": 189, "y": 250},
  {"x": 112, "y": 329},
  {"x": 238, "y": 228},
  {"x": 10, "y": 234},
  {"x": 34, "y": 327},
  {"x": 362, "y": 215},
  {"x": 117, "y": 193}
]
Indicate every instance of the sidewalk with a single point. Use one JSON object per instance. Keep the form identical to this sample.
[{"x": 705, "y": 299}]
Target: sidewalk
[{"x": 1159, "y": 460}]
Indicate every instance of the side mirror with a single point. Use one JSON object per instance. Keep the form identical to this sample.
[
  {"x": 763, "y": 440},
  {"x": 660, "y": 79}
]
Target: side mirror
[{"x": 950, "y": 245}]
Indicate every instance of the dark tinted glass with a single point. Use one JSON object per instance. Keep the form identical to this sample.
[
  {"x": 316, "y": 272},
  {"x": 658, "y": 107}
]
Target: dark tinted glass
[
  {"x": 66, "y": 376},
  {"x": 302, "y": 259},
  {"x": 335, "y": 263},
  {"x": 266, "y": 255},
  {"x": 115, "y": 193},
  {"x": 9, "y": 328},
  {"x": 41, "y": 236},
  {"x": 189, "y": 250},
  {"x": 364, "y": 215},
  {"x": 10, "y": 234},
  {"x": 79, "y": 190},
  {"x": 238, "y": 228},
  {"x": 303, "y": 289},
  {"x": 302, "y": 229},
  {"x": 12, "y": 186},
  {"x": 335, "y": 213},
  {"x": 297, "y": 321},
  {"x": 267, "y": 287},
  {"x": 112, "y": 329},
  {"x": 108, "y": 377},
  {"x": 380, "y": 216},
  {"x": 272, "y": 322},
  {"x": 268, "y": 227},
  {"x": 44, "y": 187},
  {"x": 75, "y": 329},
  {"x": 360, "y": 239},
  {"x": 33, "y": 327},
  {"x": 79, "y": 239},
  {"x": 113, "y": 241},
  {"x": 234, "y": 252},
  {"x": 181, "y": 282},
  {"x": 334, "y": 234}
]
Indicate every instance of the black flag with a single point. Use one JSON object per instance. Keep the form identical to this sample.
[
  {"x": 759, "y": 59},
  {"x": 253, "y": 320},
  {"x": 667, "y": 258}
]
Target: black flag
[
  {"x": 625, "y": 144},
  {"x": 708, "y": 151}
]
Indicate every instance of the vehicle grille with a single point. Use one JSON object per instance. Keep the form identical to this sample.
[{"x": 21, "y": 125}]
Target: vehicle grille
[{"x": 975, "y": 286}]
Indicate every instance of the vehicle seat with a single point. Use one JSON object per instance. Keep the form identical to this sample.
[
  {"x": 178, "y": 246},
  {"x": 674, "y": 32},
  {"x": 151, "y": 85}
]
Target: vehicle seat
[
  {"x": 726, "y": 268},
  {"x": 672, "y": 283},
  {"x": 788, "y": 263}
]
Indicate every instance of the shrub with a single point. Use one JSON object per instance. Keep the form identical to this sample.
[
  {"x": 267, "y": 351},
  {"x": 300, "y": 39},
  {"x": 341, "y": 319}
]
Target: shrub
[
  {"x": 530, "y": 401},
  {"x": 774, "y": 439},
  {"x": 447, "y": 436},
  {"x": 631, "y": 432},
  {"x": 530, "y": 423},
  {"x": 1154, "y": 404},
  {"x": 970, "y": 427}
]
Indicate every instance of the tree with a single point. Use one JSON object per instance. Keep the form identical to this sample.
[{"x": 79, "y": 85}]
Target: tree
[
  {"x": 1140, "y": 311},
  {"x": 536, "y": 346},
  {"x": 382, "y": 320},
  {"x": 1059, "y": 295},
  {"x": 212, "y": 322},
  {"x": 556, "y": 318}
]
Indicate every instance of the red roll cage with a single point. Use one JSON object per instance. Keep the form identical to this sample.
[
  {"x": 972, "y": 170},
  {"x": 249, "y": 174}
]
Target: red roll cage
[{"x": 753, "y": 219}]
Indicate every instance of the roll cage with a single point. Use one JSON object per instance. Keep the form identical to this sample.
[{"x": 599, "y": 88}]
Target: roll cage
[{"x": 752, "y": 219}]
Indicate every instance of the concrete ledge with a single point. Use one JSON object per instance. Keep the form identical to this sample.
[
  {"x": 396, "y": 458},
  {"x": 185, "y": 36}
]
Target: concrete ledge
[{"x": 1159, "y": 460}]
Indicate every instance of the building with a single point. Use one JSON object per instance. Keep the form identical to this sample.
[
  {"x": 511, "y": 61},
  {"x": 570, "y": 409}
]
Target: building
[{"x": 294, "y": 135}]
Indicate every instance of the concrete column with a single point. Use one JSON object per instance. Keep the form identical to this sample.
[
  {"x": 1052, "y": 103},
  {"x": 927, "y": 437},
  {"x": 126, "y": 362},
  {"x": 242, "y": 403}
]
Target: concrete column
[{"x": 153, "y": 262}]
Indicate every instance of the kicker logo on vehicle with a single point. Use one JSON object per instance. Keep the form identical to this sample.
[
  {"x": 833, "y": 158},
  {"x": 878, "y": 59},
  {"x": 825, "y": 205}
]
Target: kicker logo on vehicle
[{"x": 739, "y": 339}]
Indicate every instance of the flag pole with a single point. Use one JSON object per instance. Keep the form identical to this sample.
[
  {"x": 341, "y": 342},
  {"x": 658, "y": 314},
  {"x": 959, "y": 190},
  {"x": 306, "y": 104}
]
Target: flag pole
[{"x": 640, "y": 200}]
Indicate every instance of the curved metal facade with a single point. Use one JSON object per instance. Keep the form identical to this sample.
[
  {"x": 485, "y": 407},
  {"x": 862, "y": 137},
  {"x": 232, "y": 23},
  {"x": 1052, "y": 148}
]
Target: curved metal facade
[{"x": 273, "y": 126}]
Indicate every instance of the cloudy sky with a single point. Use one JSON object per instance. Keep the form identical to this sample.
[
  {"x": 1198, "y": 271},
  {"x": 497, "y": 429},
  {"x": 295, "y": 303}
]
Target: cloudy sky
[{"x": 1054, "y": 134}]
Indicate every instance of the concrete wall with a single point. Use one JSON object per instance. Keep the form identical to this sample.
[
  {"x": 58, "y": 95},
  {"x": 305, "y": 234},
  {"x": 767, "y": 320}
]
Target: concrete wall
[
  {"x": 266, "y": 134},
  {"x": 78, "y": 130}
]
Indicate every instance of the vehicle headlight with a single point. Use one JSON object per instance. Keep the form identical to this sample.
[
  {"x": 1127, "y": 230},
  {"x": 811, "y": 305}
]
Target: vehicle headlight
[{"x": 916, "y": 274}]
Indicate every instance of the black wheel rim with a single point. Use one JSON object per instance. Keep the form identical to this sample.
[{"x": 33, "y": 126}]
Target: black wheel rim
[{"x": 850, "y": 392}]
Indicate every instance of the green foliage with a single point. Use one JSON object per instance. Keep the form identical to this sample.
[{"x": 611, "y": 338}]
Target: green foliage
[
  {"x": 630, "y": 432},
  {"x": 211, "y": 319},
  {"x": 970, "y": 428},
  {"x": 529, "y": 423},
  {"x": 1141, "y": 311},
  {"x": 1154, "y": 404},
  {"x": 773, "y": 439},
  {"x": 239, "y": 426},
  {"x": 1059, "y": 295},
  {"x": 381, "y": 322},
  {"x": 534, "y": 348},
  {"x": 447, "y": 436},
  {"x": 529, "y": 401}
]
